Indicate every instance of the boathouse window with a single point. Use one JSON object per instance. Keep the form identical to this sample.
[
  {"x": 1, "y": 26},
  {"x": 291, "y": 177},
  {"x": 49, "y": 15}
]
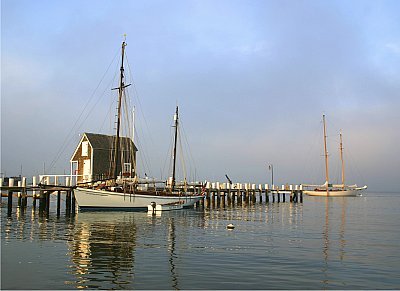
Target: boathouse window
[
  {"x": 127, "y": 169},
  {"x": 85, "y": 148}
]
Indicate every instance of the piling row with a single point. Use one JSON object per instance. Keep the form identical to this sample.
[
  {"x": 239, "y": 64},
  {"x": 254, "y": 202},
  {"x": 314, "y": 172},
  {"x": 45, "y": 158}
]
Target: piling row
[
  {"x": 246, "y": 192},
  {"x": 213, "y": 193},
  {"x": 41, "y": 192}
]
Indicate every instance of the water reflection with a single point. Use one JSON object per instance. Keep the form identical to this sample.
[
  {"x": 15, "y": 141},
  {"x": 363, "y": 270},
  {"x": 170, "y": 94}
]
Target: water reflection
[
  {"x": 102, "y": 249},
  {"x": 328, "y": 229},
  {"x": 172, "y": 255},
  {"x": 122, "y": 250}
]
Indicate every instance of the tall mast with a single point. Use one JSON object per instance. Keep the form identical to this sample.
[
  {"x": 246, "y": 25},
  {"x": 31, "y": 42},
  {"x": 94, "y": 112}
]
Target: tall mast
[
  {"x": 174, "y": 156},
  {"x": 326, "y": 158},
  {"x": 120, "y": 93},
  {"x": 341, "y": 157}
]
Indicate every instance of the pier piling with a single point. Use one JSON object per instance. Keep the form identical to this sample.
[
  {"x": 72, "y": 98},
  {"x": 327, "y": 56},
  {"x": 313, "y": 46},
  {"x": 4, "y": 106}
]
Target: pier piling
[{"x": 58, "y": 203}]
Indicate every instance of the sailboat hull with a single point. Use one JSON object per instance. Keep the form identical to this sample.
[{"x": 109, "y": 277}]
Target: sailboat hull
[
  {"x": 333, "y": 193},
  {"x": 90, "y": 199}
]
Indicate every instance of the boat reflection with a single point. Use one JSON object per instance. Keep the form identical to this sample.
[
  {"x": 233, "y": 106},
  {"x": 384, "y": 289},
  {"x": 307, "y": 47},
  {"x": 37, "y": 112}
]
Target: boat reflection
[
  {"x": 110, "y": 250},
  {"x": 328, "y": 230},
  {"x": 172, "y": 254},
  {"x": 102, "y": 250}
]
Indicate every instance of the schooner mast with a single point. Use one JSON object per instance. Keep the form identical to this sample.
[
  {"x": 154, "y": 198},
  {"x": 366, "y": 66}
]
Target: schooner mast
[
  {"x": 174, "y": 155},
  {"x": 122, "y": 86},
  {"x": 341, "y": 157},
  {"x": 326, "y": 158}
]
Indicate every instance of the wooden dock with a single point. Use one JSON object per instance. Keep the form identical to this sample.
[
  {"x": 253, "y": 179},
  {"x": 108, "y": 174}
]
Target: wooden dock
[
  {"x": 215, "y": 193},
  {"x": 246, "y": 192},
  {"x": 41, "y": 190}
]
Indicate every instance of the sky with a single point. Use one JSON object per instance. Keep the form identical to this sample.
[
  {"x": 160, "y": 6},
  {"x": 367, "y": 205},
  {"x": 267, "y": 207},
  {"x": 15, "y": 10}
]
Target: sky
[{"x": 252, "y": 80}]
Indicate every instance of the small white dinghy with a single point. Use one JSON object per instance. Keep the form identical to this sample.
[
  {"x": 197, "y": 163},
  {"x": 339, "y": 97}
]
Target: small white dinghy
[{"x": 153, "y": 207}]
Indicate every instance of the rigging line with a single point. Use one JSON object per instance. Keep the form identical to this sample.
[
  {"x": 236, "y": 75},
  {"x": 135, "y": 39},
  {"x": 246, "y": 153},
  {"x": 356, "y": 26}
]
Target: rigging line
[
  {"x": 62, "y": 148},
  {"x": 168, "y": 153},
  {"x": 193, "y": 166},
  {"x": 98, "y": 100},
  {"x": 140, "y": 134},
  {"x": 77, "y": 127},
  {"x": 127, "y": 150},
  {"x": 351, "y": 165},
  {"x": 142, "y": 157},
  {"x": 107, "y": 117},
  {"x": 188, "y": 145},
  {"x": 128, "y": 117},
  {"x": 112, "y": 103},
  {"x": 312, "y": 165},
  {"x": 136, "y": 94},
  {"x": 182, "y": 157},
  {"x": 142, "y": 144},
  {"x": 186, "y": 149}
]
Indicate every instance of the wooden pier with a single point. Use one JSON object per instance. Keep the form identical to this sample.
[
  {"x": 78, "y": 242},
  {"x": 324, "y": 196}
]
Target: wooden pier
[
  {"x": 41, "y": 189},
  {"x": 246, "y": 192},
  {"x": 217, "y": 193}
]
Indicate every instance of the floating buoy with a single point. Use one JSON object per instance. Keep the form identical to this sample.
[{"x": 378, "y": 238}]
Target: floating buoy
[{"x": 230, "y": 226}]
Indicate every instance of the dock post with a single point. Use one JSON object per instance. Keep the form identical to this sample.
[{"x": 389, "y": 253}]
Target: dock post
[
  {"x": 248, "y": 193},
  {"x": 238, "y": 186},
  {"x": 41, "y": 201},
  {"x": 253, "y": 190},
  {"x": 34, "y": 202},
  {"x": 24, "y": 193},
  {"x": 19, "y": 194},
  {"x": 68, "y": 202},
  {"x": 58, "y": 203},
  {"x": 10, "y": 193},
  {"x": 47, "y": 203},
  {"x": 241, "y": 193},
  {"x": 34, "y": 184},
  {"x": 266, "y": 193},
  {"x": 73, "y": 202},
  {"x": 9, "y": 208},
  {"x": 1, "y": 185},
  {"x": 301, "y": 193}
]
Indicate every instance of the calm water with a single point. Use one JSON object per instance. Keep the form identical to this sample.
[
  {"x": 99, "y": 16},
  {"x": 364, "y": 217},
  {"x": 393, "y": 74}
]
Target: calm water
[{"x": 335, "y": 243}]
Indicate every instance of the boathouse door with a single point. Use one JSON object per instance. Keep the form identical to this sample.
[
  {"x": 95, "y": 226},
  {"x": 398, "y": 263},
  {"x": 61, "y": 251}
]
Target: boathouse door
[{"x": 86, "y": 170}]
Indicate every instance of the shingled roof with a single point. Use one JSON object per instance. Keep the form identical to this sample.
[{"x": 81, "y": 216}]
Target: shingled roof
[{"x": 106, "y": 142}]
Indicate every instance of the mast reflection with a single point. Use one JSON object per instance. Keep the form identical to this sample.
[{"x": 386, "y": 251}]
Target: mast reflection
[
  {"x": 172, "y": 255},
  {"x": 327, "y": 230}
]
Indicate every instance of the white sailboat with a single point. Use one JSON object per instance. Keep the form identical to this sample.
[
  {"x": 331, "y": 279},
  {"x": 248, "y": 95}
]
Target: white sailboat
[
  {"x": 332, "y": 190},
  {"x": 123, "y": 193}
]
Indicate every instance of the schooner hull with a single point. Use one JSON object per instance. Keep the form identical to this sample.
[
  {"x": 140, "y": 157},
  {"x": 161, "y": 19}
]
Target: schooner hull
[
  {"x": 89, "y": 199},
  {"x": 333, "y": 193}
]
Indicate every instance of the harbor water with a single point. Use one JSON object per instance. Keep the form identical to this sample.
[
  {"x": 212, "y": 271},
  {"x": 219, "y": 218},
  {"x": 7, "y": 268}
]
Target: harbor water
[{"x": 322, "y": 243}]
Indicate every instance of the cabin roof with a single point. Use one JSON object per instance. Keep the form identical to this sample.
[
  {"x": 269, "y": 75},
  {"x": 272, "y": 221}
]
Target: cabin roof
[{"x": 106, "y": 142}]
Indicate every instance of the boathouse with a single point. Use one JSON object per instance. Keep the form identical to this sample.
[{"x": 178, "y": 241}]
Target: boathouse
[{"x": 93, "y": 156}]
